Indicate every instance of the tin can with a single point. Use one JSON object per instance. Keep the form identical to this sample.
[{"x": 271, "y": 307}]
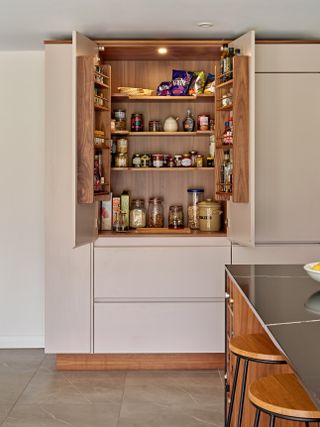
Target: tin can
[{"x": 137, "y": 122}]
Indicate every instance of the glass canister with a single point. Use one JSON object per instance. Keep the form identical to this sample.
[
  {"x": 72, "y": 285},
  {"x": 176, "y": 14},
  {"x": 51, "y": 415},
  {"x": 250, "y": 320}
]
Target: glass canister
[
  {"x": 136, "y": 122},
  {"x": 155, "y": 213},
  {"x": 121, "y": 160},
  {"x": 195, "y": 196},
  {"x": 175, "y": 217},
  {"x": 210, "y": 215},
  {"x": 137, "y": 214}
]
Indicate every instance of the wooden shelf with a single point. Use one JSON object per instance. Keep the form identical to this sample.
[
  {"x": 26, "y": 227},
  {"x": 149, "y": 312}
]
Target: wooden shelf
[
  {"x": 102, "y": 85},
  {"x": 224, "y": 146},
  {"x": 175, "y": 169},
  {"x": 120, "y": 132},
  {"x": 227, "y": 83},
  {"x": 226, "y": 108},
  {"x": 183, "y": 134},
  {"x": 98, "y": 197},
  {"x": 99, "y": 107},
  {"x": 101, "y": 75},
  {"x": 101, "y": 147},
  {"x": 200, "y": 97},
  {"x": 134, "y": 233}
]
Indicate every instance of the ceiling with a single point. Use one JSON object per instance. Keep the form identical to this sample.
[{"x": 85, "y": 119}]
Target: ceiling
[{"x": 24, "y": 24}]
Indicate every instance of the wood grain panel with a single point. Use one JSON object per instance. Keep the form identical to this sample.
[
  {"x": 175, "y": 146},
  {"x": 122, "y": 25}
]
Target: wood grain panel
[
  {"x": 108, "y": 362},
  {"x": 241, "y": 130},
  {"x": 85, "y": 129},
  {"x": 245, "y": 322}
]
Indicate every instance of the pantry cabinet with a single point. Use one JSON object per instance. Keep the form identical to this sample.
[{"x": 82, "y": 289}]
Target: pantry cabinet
[{"x": 136, "y": 293}]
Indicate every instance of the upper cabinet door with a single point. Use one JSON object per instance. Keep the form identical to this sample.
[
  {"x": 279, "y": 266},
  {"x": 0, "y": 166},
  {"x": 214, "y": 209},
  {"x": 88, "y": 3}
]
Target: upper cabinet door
[
  {"x": 83, "y": 52},
  {"x": 241, "y": 216}
]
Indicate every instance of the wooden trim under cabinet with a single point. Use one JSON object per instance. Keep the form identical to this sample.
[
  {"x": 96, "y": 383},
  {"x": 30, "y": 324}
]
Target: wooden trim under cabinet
[{"x": 139, "y": 361}]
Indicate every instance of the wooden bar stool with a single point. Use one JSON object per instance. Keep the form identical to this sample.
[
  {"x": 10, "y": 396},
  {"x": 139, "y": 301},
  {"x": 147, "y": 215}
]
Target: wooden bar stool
[
  {"x": 282, "y": 396},
  {"x": 256, "y": 348}
]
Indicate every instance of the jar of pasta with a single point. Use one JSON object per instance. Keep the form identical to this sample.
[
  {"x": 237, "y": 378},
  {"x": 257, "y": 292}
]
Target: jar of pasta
[
  {"x": 195, "y": 196},
  {"x": 155, "y": 213},
  {"x": 137, "y": 214}
]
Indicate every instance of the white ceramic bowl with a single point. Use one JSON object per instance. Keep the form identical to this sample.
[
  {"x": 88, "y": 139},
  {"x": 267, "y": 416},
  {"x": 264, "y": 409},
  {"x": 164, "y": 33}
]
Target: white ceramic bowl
[{"x": 314, "y": 274}]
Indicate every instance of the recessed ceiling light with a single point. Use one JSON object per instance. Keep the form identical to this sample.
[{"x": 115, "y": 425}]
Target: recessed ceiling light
[
  {"x": 205, "y": 24},
  {"x": 162, "y": 50}
]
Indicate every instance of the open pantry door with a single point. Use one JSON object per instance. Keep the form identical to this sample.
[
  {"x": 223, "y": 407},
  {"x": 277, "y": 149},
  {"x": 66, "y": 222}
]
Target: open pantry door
[
  {"x": 85, "y": 216},
  {"x": 241, "y": 216}
]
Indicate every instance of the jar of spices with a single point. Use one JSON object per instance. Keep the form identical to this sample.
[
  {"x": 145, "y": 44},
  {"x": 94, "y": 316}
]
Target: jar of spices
[
  {"x": 193, "y": 155},
  {"x": 122, "y": 145},
  {"x": 137, "y": 214},
  {"x": 155, "y": 213},
  {"x": 157, "y": 160},
  {"x": 177, "y": 160},
  {"x": 137, "y": 122},
  {"x": 165, "y": 160},
  {"x": 195, "y": 196},
  {"x": 154, "y": 126},
  {"x": 203, "y": 122},
  {"x": 145, "y": 161},
  {"x": 171, "y": 163},
  {"x": 186, "y": 160},
  {"x": 136, "y": 160},
  {"x": 121, "y": 160},
  {"x": 175, "y": 217},
  {"x": 199, "y": 161}
]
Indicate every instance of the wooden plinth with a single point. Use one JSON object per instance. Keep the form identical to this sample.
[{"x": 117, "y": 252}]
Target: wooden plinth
[{"x": 110, "y": 362}]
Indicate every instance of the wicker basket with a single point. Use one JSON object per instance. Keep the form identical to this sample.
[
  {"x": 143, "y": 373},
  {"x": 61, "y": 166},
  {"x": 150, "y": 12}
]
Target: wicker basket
[{"x": 135, "y": 91}]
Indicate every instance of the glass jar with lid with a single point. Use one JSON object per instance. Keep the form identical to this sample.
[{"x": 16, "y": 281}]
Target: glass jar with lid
[
  {"x": 155, "y": 213},
  {"x": 175, "y": 218},
  {"x": 137, "y": 214},
  {"x": 195, "y": 196}
]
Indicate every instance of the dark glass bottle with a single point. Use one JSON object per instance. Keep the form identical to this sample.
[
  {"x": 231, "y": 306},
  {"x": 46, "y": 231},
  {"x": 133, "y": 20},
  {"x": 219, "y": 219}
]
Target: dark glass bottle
[{"x": 189, "y": 122}]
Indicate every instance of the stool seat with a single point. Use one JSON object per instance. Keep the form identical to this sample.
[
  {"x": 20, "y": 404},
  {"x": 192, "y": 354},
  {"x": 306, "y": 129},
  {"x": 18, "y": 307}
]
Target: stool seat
[
  {"x": 283, "y": 395},
  {"x": 256, "y": 347}
]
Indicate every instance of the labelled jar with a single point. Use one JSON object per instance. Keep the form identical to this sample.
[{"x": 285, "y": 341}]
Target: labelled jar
[
  {"x": 157, "y": 160},
  {"x": 137, "y": 214},
  {"x": 195, "y": 196},
  {"x": 122, "y": 145},
  {"x": 210, "y": 215},
  {"x": 121, "y": 160},
  {"x": 136, "y": 160},
  {"x": 137, "y": 122},
  {"x": 175, "y": 217},
  {"x": 186, "y": 161},
  {"x": 155, "y": 213}
]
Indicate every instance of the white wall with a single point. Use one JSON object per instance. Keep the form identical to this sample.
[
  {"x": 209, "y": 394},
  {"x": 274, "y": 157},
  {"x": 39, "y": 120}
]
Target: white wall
[{"x": 22, "y": 199}]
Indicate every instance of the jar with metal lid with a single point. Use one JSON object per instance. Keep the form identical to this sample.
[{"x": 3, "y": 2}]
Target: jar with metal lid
[
  {"x": 154, "y": 126},
  {"x": 122, "y": 145},
  {"x": 193, "y": 155},
  {"x": 119, "y": 114},
  {"x": 145, "y": 161},
  {"x": 175, "y": 217},
  {"x": 199, "y": 161},
  {"x": 177, "y": 160},
  {"x": 137, "y": 214},
  {"x": 210, "y": 215},
  {"x": 203, "y": 122},
  {"x": 195, "y": 196},
  {"x": 121, "y": 160},
  {"x": 157, "y": 160},
  {"x": 136, "y": 160},
  {"x": 155, "y": 213},
  {"x": 120, "y": 125},
  {"x": 186, "y": 160},
  {"x": 136, "y": 122}
]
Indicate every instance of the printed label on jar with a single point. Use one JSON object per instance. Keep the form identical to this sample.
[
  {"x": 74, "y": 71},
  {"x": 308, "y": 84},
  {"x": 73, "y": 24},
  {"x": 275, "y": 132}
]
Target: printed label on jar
[
  {"x": 157, "y": 163},
  {"x": 205, "y": 217},
  {"x": 186, "y": 162}
]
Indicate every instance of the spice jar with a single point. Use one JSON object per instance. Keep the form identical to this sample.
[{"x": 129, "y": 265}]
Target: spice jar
[
  {"x": 193, "y": 155},
  {"x": 175, "y": 217},
  {"x": 121, "y": 160},
  {"x": 136, "y": 122},
  {"x": 136, "y": 160},
  {"x": 199, "y": 161},
  {"x": 145, "y": 161},
  {"x": 154, "y": 126},
  {"x": 177, "y": 160},
  {"x": 210, "y": 215},
  {"x": 186, "y": 160},
  {"x": 195, "y": 196},
  {"x": 122, "y": 145},
  {"x": 157, "y": 160},
  {"x": 155, "y": 213},
  {"x": 171, "y": 163},
  {"x": 137, "y": 214}
]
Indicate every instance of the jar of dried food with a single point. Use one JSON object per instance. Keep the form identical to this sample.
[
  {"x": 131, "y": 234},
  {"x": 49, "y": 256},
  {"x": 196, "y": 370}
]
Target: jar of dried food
[
  {"x": 119, "y": 114},
  {"x": 122, "y": 145},
  {"x": 145, "y": 161},
  {"x": 121, "y": 160},
  {"x": 155, "y": 213},
  {"x": 203, "y": 122},
  {"x": 175, "y": 217},
  {"x": 154, "y": 126},
  {"x": 210, "y": 215},
  {"x": 136, "y": 160},
  {"x": 137, "y": 214},
  {"x": 193, "y": 155},
  {"x": 195, "y": 196},
  {"x": 157, "y": 160},
  {"x": 186, "y": 160},
  {"x": 177, "y": 160},
  {"x": 199, "y": 161},
  {"x": 137, "y": 122}
]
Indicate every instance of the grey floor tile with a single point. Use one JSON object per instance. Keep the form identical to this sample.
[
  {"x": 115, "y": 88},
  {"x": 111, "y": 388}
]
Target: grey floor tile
[
  {"x": 4, "y": 410},
  {"x": 85, "y": 415}
]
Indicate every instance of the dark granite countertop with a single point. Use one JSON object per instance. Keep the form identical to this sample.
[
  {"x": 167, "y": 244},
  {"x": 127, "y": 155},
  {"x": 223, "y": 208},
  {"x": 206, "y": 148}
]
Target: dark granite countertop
[{"x": 280, "y": 295}]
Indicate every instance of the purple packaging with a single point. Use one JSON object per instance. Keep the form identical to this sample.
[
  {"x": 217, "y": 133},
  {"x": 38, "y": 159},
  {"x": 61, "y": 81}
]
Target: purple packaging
[
  {"x": 180, "y": 82},
  {"x": 164, "y": 89}
]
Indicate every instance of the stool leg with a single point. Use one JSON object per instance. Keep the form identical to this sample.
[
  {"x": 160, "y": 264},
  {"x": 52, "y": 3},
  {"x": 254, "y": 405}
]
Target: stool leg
[
  {"x": 233, "y": 392},
  {"x": 272, "y": 420},
  {"x": 257, "y": 418},
  {"x": 307, "y": 423},
  {"x": 243, "y": 390}
]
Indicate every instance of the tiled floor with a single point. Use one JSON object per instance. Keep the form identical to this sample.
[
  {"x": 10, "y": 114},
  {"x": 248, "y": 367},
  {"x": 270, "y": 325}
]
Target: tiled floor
[{"x": 33, "y": 394}]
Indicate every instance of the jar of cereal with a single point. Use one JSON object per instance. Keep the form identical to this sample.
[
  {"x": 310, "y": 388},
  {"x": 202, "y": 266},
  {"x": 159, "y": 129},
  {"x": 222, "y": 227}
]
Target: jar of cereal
[{"x": 195, "y": 196}]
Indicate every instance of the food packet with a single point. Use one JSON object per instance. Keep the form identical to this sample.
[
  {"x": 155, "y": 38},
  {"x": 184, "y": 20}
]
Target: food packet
[
  {"x": 197, "y": 83},
  {"x": 180, "y": 82},
  {"x": 210, "y": 86},
  {"x": 164, "y": 89}
]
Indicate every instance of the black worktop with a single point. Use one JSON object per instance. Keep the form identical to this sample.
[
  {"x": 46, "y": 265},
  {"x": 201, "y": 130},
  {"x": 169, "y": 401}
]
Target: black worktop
[{"x": 279, "y": 294}]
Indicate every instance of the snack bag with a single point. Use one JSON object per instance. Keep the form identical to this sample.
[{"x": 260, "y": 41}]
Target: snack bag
[
  {"x": 197, "y": 83},
  {"x": 164, "y": 89},
  {"x": 180, "y": 82},
  {"x": 210, "y": 86}
]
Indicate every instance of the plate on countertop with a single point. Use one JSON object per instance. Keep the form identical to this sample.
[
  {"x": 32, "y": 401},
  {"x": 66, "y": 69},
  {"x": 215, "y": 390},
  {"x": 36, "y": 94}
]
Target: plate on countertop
[{"x": 314, "y": 274}]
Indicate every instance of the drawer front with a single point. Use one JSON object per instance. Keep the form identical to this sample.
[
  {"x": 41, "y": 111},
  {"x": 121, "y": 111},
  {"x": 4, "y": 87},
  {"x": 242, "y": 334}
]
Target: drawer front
[
  {"x": 159, "y": 327},
  {"x": 147, "y": 272}
]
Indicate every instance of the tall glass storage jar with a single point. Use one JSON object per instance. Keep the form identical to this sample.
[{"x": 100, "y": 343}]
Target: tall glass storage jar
[
  {"x": 195, "y": 196},
  {"x": 155, "y": 213},
  {"x": 137, "y": 214}
]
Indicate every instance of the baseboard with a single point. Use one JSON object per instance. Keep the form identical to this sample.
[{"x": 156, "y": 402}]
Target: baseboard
[
  {"x": 22, "y": 341},
  {"x": 106, "y": 362}
]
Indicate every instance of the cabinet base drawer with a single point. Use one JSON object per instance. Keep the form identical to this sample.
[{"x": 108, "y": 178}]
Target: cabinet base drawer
[{"x": 153, "y": 327}]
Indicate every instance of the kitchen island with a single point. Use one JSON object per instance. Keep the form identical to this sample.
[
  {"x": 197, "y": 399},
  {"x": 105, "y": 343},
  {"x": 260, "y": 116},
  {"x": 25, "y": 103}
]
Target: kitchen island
[{"x": 281, "y": 301}]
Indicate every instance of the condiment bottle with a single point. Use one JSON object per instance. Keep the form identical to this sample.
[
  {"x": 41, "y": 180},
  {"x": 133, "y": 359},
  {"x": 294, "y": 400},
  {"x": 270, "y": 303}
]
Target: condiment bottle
[{"x": 188, "y": 123}]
